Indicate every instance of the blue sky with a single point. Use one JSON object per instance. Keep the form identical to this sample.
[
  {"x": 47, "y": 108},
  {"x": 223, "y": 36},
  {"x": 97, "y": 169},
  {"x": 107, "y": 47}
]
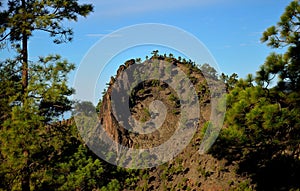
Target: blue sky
[{"x": 230, "y": 29}]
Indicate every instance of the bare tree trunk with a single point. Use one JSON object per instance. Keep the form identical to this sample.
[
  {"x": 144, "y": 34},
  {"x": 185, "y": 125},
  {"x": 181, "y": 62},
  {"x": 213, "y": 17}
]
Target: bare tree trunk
[
  {"x": 24, "y": 64},
  {"x": 24, "y": 55},
  {"x": 25, "y": 171}
]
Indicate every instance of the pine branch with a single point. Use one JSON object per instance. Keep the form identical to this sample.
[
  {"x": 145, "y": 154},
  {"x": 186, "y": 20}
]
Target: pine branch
[{"x": 3, "y": 38}]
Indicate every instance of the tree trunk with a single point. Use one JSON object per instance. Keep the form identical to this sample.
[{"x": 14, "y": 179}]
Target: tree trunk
[
  {"x": 24, "y": 55},
  {"x": 25, "y": 182},
  {"x": 24, "y": 64},
  {"x": 25, "y": 179}
]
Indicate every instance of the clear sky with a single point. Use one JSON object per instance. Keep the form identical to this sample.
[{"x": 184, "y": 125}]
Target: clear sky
[{"x": 230, "y": 29}]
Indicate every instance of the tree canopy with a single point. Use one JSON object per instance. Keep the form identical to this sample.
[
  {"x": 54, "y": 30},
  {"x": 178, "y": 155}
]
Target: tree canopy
[
  {"x": 23, "y": 17},
  {"x": 286, "y": 34},
  {"x": 262, "y": 124}
]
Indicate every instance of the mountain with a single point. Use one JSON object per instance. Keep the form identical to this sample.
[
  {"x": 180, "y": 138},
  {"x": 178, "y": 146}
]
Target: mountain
[{"x": 121, "y": 109}]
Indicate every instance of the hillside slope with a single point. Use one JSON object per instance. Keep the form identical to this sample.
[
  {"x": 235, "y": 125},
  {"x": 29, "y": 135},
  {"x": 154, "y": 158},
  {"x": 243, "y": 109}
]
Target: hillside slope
[{"x": 189, "y": 170}]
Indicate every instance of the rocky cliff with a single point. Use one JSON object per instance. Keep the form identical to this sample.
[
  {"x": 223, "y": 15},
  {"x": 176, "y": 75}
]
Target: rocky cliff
[{"x": 188, "y": 170}]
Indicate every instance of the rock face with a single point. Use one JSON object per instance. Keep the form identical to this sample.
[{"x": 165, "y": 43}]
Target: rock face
[
  {"x": 107, "y": 118},
  {"x": 189, "y": 170},
  {"x": 141, "y": 97}
]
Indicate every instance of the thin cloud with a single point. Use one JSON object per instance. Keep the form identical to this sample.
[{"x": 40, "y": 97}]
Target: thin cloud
[
  {"x": 227, "y": 46},
  {"x": 97, "y": 35},
  {"x": 252, "y": 43},
  {"x": 245, "y": 44},
  {"x": 118, "y": 8},
  {"x": 255, "y": 33},
  {"x": 224, "y": 47}
]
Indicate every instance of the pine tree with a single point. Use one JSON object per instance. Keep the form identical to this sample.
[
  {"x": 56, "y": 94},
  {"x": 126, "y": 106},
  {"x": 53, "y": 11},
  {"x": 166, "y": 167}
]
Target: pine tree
[
  {"x": 286, "y": 34},
  {"x": 264, "y": 114},
  {"x": 262, "y": 123},
  {"x": 30, "y": 135},
  {"x": 23, "y": 17}
]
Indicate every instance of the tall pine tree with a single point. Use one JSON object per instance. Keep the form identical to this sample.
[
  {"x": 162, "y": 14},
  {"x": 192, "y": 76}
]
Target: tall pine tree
[{"x": 30, "y": 136}]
